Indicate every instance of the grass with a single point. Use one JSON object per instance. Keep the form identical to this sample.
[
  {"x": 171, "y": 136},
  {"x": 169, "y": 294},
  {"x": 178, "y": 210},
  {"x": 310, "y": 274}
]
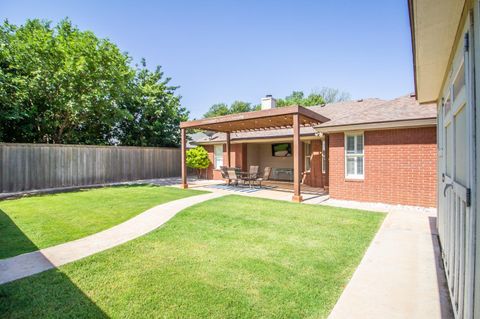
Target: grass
[
  {"x": 231, "y": 257},
  {"x": 31, "y": 223}
]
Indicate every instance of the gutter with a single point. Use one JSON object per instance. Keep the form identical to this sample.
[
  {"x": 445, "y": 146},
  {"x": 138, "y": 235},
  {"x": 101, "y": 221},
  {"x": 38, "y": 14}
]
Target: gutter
[
  {"x": 425, "y": 122},
  {"x": 414, "y": 49}
]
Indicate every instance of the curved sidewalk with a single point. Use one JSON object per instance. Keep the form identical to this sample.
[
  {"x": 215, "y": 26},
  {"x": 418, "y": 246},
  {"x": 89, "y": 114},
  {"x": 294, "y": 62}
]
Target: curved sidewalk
[{"x": 38, "y": 261}]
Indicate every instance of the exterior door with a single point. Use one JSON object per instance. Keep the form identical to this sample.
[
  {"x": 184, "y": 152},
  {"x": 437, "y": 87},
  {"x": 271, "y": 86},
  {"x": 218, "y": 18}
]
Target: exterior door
[{"x": 456, "y": 221}]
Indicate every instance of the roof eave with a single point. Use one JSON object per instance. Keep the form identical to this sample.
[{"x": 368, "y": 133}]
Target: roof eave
[{"x": 424, "y": 122}]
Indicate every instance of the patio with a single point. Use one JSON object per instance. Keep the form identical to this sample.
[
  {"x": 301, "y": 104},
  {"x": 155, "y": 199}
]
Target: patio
[
  {"x": 293, "y": 117},
  {"x": 271, "y": 189}
]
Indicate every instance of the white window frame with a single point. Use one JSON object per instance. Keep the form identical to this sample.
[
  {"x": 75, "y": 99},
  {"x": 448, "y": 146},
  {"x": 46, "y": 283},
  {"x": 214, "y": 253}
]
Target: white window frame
[
  {"x": 218, "y": 161},
  {"x": 324, "y": 157},
  {"x": 355, "y": 155},
  {"x": 307, "y": 145}
]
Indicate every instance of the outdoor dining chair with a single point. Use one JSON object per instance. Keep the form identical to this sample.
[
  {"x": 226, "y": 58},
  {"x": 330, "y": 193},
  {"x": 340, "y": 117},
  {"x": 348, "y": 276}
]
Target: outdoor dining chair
[
  {"x": 252, "y": 175},
  {"x": 232, "y": 176},
  {"x": 223, "y": 171},
  {"x": 266, "y": 175}
]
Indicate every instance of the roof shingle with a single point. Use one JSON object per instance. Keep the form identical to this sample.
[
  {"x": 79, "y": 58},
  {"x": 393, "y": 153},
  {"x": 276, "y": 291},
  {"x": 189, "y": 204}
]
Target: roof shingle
[{"x": 345, "y": 113}]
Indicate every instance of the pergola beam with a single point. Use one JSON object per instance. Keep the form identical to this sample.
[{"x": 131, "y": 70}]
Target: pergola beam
[
  {"x": 228, "y": 150},
  {"x": 297, "y": 159}
]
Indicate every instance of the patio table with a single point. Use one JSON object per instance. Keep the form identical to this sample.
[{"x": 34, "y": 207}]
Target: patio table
[{"x": 247, "y": 176}]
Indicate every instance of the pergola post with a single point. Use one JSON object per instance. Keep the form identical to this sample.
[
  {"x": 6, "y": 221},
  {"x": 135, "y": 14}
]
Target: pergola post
[
  {"x": 228, "y": 150},
  {"x": 297, "y": 159},
  {"x": 184, "y": 158}
]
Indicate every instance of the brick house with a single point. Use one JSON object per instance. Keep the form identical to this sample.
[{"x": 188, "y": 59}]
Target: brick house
[{"x": 390, "y": 158}]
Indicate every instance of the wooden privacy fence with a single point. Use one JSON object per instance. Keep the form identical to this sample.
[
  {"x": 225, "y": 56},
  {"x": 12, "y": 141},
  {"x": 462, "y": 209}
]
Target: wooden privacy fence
[{"x": 39, "y": 166}]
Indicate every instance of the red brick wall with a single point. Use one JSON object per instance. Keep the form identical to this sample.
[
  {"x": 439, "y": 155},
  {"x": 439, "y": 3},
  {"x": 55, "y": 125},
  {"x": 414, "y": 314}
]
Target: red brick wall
[
  {"x": 400, "y": 168},
  {"x": 238, "y": 158}
]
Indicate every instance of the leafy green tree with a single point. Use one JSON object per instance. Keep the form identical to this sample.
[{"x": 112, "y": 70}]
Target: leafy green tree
[
  {"x": 325, "y": 95},
  {"x": 62, "y": 85},
  {"x": 197, "y": 158},
  {"x": 154, "y": 111},
  {"x": 221, "y": 109},
  {"x": 240, "y": 107},
  {"x": 297, "y": 97},
  {"x": 217, "y": 110},
  {"x": 59, "y": 84}
]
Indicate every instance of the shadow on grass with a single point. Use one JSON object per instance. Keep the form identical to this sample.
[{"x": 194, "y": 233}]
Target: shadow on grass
[
  {"x": 13, "y": 241},
  {"x": 59, "y": 296}
]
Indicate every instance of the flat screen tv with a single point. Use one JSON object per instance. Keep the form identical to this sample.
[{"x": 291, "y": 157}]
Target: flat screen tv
[{"x": 282, "y": 149}]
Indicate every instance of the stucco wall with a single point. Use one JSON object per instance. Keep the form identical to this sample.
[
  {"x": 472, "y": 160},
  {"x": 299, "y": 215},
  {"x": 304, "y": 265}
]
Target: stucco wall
[{"x": 261, "y": 154}]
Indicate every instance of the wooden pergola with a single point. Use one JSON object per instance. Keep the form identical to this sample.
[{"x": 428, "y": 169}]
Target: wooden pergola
[{"x": 277, "y": 118}]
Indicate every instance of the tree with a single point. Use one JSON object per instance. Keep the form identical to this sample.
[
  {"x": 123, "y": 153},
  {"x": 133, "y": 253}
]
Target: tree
[
  {"x": 59, "y": 84},
  {"x": 198, "y": 158},
  {"x": 154, "y": 111},
  {"x": 240, "y": 107},
  {"x": 333, "y": 95},
  {"x": 297, "y": 97},
  {"x": 217, "y": 110},
  {"x": 221, "y": 109},
  {"x": 62, "y": 85},
  {"x": 325, "y": 95}
]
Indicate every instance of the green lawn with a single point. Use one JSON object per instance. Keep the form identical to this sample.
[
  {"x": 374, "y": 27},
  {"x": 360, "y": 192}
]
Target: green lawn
[
  {"x": 231, "y": 257},
  {"x": 42, "y": 221}
]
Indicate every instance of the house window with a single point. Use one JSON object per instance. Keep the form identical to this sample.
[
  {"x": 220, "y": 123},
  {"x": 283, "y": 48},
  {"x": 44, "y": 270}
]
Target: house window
[
  {"x": 218, "y": 155},
  {"x": 308, "y": 154},
  {"x": 324, "y": 157},
  {"x": 354, "y": 157}
]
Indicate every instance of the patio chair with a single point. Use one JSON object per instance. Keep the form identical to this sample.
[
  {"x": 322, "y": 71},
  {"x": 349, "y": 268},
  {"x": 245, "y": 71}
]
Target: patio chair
[
  {"x": 253, "y": 171},
  {"x": 232, "y": 176},
  {"x": 252, "y": 174},
  {"x": 223, "y": 171},
  {"x": 266, "y": 175}
]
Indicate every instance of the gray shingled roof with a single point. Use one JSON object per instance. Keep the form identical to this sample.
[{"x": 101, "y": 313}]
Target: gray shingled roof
[
  {"x": 401, "y": 109},
  {"x": 345, "y": 113}
]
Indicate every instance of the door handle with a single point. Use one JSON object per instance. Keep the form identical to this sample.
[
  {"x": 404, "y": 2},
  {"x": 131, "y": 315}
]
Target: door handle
[{"x": 447, "y": 186}]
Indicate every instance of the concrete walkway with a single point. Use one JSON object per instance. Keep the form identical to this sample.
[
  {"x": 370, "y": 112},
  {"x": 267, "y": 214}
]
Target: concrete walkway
[
  {"x": 401, "y": 274},
  {"x": 35, "y": 262}
]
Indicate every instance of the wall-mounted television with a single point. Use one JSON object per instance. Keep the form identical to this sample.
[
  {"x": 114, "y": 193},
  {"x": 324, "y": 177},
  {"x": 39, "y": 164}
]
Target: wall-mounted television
[{"x": 282, "y": 149}]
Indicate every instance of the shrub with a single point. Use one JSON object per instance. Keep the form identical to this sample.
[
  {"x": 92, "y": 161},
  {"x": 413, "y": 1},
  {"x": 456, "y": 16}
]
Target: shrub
[{"x": 198, "y": 158}]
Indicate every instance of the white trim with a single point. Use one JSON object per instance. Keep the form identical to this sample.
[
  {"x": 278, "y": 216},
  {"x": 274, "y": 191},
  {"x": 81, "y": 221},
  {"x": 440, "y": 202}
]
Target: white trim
[
  {"x": 215, "y": 147},
  {"x": 288, "y": 139},
  {"x": 355, "y": 176},
  {"x": 379, "y": 126},
  {"x": 307, "y": 159},
  {"x": 324, "y": 157}
]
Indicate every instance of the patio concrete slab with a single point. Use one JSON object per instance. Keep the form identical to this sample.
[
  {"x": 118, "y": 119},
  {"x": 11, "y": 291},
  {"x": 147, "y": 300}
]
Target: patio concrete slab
[
  {"x": 401, "y": 274},
  {"x": 263, "y": 192},
  {"x": 35, "y": 262}
]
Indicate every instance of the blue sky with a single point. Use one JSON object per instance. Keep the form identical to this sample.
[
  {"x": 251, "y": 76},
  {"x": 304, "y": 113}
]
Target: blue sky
[{"x": 221, "y": 51}]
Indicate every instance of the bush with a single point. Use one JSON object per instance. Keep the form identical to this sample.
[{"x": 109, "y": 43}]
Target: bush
[{"x": 198, "y": 158}]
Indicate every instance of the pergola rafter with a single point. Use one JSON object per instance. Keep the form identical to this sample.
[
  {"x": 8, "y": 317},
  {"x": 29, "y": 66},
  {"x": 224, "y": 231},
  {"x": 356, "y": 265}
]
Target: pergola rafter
[{"x": 278, "y": 118}]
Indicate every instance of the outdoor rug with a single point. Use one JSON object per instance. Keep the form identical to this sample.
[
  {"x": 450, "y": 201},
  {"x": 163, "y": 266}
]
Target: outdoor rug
[{"x": 240, "y": 188}]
